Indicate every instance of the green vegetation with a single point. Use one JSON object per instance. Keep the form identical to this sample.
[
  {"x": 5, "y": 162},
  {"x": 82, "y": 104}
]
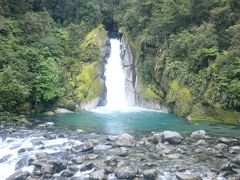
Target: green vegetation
[{"x": 187, "y": 53}]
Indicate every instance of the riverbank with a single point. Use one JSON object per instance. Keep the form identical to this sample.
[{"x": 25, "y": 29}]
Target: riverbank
[{"x": 49, "y": 152}]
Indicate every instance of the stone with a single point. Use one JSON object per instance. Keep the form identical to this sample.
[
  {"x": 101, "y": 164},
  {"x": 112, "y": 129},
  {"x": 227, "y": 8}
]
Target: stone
[
  {"x": 122, "y": 152},
  {"x": 201, "y": 134},
  {"x": 80, "y": 131},
  {"x": 161, "y": 146},
  {"x": 49, "y": 113},
  {"x": 47, "y": 124},
  {"x": 172, "y": 137},
  {"x": 50, "y": 136},
  {"x": 87, "y": 166},
  {"x": 236, "y": 159},
  {"x": 79, "y": 160},
  {"x": 97, "y": 175},
  {"x": 187, "y": 176},
  {"x": 150, "y": 174},
  {"x": 228, "y": 166},
  {"x": 85, "y": 147},
  {"x": 234, "y": 150},
  {"x": 228, "y": 141},
  {"x": 201, "y": 143},
  {"x": 67, "y": 173},
  {"x": 21, "y": 163},
  {"x": 62, "y": 111},
  {"x": 59, "y": 165},
  {"x": 125, "y": 140},
  {"x": 125, "y": 172},
  {"x": 5, "y": 158},
  {"x": 92, "y": 156},
  {"x": 221, "y": 147},
  {"x": 157, "y": 138},
  {"x": 211, "y": 175},
  {"x": 19, "y": 175},
  {"x": 47, "y": 169},
  {"x": 111, "y": 161},
  {"x": 112, "y": 138}
]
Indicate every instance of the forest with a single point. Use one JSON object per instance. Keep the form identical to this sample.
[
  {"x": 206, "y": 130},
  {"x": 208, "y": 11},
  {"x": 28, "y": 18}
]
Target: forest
[{"x": 187, "y": 53}]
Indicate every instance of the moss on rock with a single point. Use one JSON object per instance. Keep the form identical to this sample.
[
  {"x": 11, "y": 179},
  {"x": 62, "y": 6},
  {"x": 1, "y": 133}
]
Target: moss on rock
[
  {"x": 180, "y": 97},
  {"x": 89, "y": 84},
  {"x": 150, "y": 93},
  {"x": 214, "y": 114}
]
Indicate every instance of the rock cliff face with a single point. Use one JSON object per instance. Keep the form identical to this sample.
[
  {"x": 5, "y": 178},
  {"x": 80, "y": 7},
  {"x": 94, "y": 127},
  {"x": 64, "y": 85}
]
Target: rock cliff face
[
  {"x": 129, "y": 69},
  {"x": 134, "y": 88},
  {"x": 90, "y": 84}
]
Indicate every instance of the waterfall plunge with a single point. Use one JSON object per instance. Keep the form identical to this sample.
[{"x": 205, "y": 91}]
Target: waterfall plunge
[{"x": 115, "y": 79}]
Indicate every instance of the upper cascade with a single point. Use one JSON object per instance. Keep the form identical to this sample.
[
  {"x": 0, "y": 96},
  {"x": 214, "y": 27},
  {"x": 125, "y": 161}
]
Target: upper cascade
[{"x": 115, "y": 78}]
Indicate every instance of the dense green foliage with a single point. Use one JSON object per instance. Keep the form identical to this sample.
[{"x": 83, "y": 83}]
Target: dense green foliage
[
  {"x": 187, "y": 52},
  {"x": 41, "y": 52}
]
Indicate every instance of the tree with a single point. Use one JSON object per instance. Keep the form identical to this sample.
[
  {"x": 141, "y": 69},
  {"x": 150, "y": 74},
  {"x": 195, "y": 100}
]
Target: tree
[
  {"x": 12, "y": 89},
  {"x": 47, "y": 84}
]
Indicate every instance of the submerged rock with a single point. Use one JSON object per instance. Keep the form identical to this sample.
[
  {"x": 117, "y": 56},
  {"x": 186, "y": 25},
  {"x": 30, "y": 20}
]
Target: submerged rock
[
  {"x": 19, "y": 175},
  {"x": 187, "y": 176},
  {"x": 97, "y": 175},
  {"x": 125, "y": 172},
  {"x": 87, "y": 166},
  {"x": 125, "y": 140},
  {"x": 150, "y": 174}
]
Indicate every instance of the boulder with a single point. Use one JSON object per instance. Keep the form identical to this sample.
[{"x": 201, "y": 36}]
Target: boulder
[
  {"x": 187, "y": 176},
  {"x": 67, "y": 173},
  {"x": 150, "y": 174},
  {"x": 157, "y": 138},
  {"x": 122, "y": 152},
  {"x": 234, "y": 150},
  {"x": 125, "y": 140},
  {"x": 125, "y": 172},
  {"x": 228, "y": 141},
  {"x": 87, "y": 166},
  {"x": 221, "y": 147},
  {"x": 19, "y": 175},
  {"x": 62, "y": 111},
  {"x": 201, "y": 143},
  {"x": 172, "y": 137},
  {"x": 97, "y": 175},
  {"x": 87, "y": 146},
  {"x": 47, "y": 169},
  {"x": 160, "y": 146},
  {"x": 201, "y": 134},
  {"x": 79, "y": 131},
  {"x": 50, "y": 136}
]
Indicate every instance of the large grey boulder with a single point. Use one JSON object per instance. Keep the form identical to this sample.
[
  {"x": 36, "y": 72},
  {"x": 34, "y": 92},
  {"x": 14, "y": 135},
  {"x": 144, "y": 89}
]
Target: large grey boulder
[
  {"x": 125, "y": 172},
  {"x": 125, "y": 140},
  {"x": 187, "y": 176},
  {"x": 172, "y": 137}
]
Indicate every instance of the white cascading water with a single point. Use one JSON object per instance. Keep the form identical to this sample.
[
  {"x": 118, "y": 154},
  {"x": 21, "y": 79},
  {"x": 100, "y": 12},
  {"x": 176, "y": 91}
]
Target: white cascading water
[{"x": 115, "y": 79}]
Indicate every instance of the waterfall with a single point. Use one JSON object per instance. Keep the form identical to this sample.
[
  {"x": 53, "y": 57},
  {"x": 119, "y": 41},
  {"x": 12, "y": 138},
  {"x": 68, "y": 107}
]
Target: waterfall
[{"x": 115, "y": 78}]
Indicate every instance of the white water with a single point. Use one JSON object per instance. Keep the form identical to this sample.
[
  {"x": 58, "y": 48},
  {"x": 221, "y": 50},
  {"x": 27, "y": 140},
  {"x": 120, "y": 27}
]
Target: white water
[{"x": 115, "y": 79}]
